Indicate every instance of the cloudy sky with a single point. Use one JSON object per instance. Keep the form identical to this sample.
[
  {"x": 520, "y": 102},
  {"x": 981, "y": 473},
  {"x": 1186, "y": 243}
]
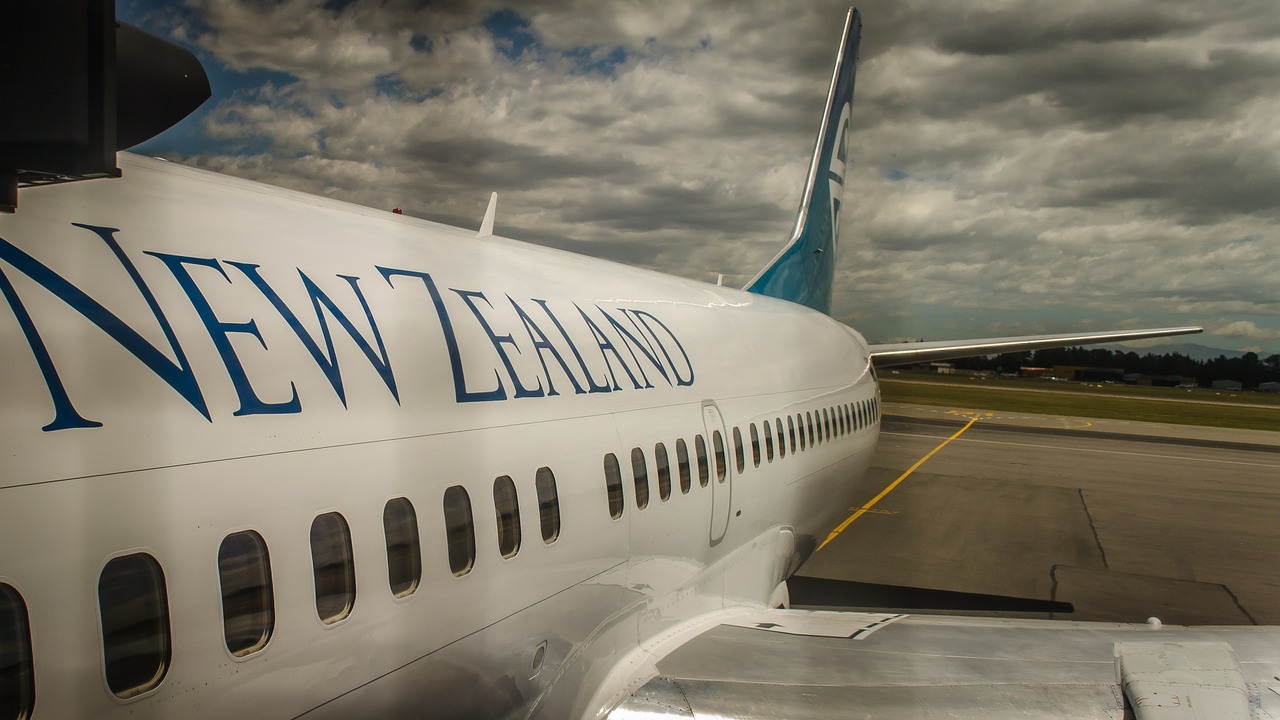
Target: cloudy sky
[{"x": 1018, "y": 166}]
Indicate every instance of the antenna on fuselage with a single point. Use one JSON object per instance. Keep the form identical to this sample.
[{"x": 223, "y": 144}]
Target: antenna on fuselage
[{"x": 486, "y": 225}]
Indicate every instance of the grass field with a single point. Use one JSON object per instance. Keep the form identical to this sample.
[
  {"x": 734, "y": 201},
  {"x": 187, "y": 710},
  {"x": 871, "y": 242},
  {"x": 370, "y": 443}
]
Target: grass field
[{"x": 1252, "y": 411}]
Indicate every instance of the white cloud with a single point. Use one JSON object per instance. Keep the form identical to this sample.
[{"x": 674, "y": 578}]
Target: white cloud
[
  {"x": 1248, "y": 330},
  {"x": 1064, "y": 160}
]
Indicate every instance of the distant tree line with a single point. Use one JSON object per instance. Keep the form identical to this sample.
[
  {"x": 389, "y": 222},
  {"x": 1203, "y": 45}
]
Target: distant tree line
[{"x": 1249, "y": 369}]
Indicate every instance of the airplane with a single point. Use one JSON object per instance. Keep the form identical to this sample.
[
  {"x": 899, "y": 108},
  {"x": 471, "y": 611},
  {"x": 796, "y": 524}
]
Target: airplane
[{"x": 269, "y": 454}]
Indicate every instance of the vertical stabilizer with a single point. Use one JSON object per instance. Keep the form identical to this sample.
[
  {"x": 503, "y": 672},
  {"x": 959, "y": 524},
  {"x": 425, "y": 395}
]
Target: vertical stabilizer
[{"x": 804, "y": 270}]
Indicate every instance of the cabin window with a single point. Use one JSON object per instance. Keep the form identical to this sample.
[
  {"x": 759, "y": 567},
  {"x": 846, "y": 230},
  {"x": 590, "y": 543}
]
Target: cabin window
[
  {"x": 842, "y": 422},
  {"x": 664, "y": 471},
  {"x": 862, "y": 419},
  {"x": 768, "y": 440},
  {"x": 333, "y": 565},
  {"x": 507, "y": 508},
  {"x": 826, "y": 423},
  {"x": 848, "y": 418},
  {"x": 613, "y": 483},
  {"x": 700, "y": 450},
  {"x": 808, "y": 417},
  {"x": 782, "y": 439},
  {"x": 755, "y": 446},
  {"x": 791, "y": 433},
  {"x": 17, "y": 675},
  {"x": 682, "y": 463},
  {"x": 640, "y": 473},
  {"x": 459, "y": 530},
  {"x": 548, "y": 504},
  {"x": 136, "y": 645},
  {"x": 404, "y": 553},
  {"x": 248, "y": 604},
  {"x": 739, "y": 453},
  {"x": 717, "y": 445}
]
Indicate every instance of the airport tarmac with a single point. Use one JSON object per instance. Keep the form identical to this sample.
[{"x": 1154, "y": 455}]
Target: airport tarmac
[{"x": 1125, "y": 520}]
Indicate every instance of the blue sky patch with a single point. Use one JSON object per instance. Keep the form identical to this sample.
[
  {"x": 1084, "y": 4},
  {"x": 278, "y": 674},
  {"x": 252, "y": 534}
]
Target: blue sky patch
[
  {"x": 595, "y": 59},
  {"x": 421, "y": 43},
  {"x": 511, "y": 33}
]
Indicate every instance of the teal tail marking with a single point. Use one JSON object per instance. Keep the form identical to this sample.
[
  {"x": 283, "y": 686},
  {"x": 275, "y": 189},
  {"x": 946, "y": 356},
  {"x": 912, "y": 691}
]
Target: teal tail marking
[{"x": 804, "y": 270}]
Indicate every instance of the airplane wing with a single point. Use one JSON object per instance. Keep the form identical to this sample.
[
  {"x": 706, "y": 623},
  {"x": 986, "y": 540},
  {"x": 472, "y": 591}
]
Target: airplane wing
[
  {"x": 889, "y": 354},
  {"x": 819, "y": 664}
]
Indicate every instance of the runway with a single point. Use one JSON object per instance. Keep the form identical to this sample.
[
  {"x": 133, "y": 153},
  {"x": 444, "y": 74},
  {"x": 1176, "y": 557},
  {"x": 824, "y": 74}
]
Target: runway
[{"x": 1124, "y": 520}]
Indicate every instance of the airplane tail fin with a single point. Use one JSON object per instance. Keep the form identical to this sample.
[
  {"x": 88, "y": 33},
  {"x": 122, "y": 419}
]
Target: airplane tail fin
[{"x": 804, "y": 269}]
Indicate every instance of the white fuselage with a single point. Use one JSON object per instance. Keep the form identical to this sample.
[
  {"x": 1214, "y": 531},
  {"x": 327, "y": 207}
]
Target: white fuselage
[{"x": 456, "y": 361}]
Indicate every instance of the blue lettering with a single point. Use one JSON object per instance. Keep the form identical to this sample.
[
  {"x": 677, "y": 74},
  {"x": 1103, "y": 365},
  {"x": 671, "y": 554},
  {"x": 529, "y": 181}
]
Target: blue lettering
[
  {"x": 178, "y": 375},
  {"x": 542, "y": 345},
  {"x": 607, "y": 347},
  {"x": 680, "y": 381},
  {"x": 498, "y": 340},
  {"x": 250, "y": 403},
  {"x": 450, "y": 341},
  {"x": 632, "y": 344},
  {"x": 591, "y": 382},
  {"x": 328, "y": 361}
]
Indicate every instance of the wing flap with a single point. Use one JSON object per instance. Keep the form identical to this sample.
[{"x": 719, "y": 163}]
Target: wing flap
[
  {"x": 889, "y": 354},
  {"x": 955, "y": 667}
]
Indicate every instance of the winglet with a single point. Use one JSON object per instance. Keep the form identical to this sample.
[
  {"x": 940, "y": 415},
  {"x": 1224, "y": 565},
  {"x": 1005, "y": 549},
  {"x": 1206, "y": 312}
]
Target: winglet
[{"x": 486, "y": 225}]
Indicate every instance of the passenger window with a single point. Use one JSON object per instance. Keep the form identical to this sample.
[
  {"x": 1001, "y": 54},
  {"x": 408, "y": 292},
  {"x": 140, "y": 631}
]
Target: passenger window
[
  {"x": 717, "y": 445},
  {"x": 640, "y": 472},
  {"x": 664, "y": 471},
  {"x": 507, "y": 507},
  {"x": 739, "y": 453},
  {"x": 613, "y": 483},
  {"x": 862, "y": 421},
  {"x": 17, "y": 676},
  {"x": 826, "y": 424},
  {"x": 700, "y": 449},
  {"x": 768, "y": 440},
  {"x": 548, "y": 504},
  {"x": 334, "y": 567},
  {"x": 782, "y": 439},
  {"x": 248, "y": 604},
  {"x": 791, "y": 432},
  {"x": 136, "y": 646},
  {"x": 755, "y": 446},
  {"x": 682, "y": 463},
  {"x": 808, "y": 416},
  {"x": 404, "y": 554},
  {"x": 459, "y": 530}
]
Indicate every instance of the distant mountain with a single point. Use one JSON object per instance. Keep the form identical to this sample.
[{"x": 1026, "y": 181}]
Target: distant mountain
[{"x": 1195, "y": 351}]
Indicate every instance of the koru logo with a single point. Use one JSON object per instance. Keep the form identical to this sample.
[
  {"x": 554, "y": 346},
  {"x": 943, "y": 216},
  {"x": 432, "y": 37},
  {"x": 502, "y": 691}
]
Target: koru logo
[{"x": 835, "y": 175}]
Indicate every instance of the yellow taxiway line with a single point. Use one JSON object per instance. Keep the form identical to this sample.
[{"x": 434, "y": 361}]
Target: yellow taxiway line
[{"x": 862, "y": 510}]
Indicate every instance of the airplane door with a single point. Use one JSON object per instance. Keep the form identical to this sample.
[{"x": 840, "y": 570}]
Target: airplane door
[{"x": 721, "y": 476}]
